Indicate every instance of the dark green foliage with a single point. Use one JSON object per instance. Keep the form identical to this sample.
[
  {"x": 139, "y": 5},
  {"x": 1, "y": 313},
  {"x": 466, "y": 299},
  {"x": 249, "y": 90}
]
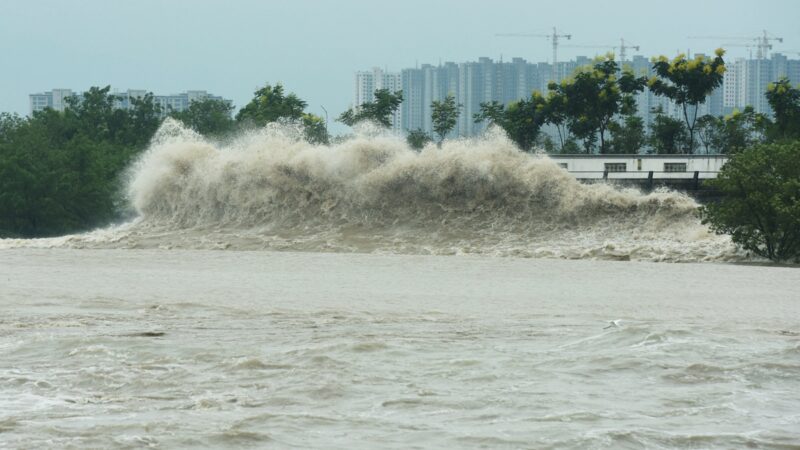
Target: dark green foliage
[
  {"x": 60, "y": 172},
  {"x": 627, "y": 137},
  {"x": 760, "y": 208},
  {"x": 444, "y": 115},
  {"x": 668, "y": 136},
  {"x": 785, "y": 103},
  {"x": 418, "y": 139},
  {"x": 521, "y": 120},
  {"x": 688, "y": 82},
  {"x": 314, "y": 129},
  {"x": 740, "y": 130},
  {"x": 592, "y": 98},
  {"x": 209, "y": 117},
  {"x": 379, "y": 111},
  {"x": 270, "y": 104}
]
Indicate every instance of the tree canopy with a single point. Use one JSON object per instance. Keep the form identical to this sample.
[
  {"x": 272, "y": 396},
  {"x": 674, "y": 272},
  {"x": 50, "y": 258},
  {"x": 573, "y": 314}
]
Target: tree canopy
[
  {"x": 444, "y": 115},
  {"x": 379, "y": 110},
  {"x": 760, "y": 207},
  {"x": 688, "y": 82}
]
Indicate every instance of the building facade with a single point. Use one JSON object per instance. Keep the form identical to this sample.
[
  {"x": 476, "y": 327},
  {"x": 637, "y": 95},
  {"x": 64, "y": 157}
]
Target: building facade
[
  {"x": 56, "y": 99},
  {"x": 367, "y": 82},
  {"x": 485, "y": 80}
]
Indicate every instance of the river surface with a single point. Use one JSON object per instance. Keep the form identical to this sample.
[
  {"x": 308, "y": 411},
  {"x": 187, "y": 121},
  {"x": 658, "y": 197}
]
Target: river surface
[{"x": 121, "y": 348}]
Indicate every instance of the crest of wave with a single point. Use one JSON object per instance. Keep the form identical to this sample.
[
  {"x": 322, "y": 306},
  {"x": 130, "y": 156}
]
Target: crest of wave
[{"x": 271, "y": 177}]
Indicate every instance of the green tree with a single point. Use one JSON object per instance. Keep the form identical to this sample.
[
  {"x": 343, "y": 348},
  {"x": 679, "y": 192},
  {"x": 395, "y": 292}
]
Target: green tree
[
  {"x": 418, "y": 139},
  {"x": 521, "y": 120},
  {"x": 380, "y": 110},
  {"x": 708, "y": 130},
  {"x": 760, "y": 206},
  {"x": 740, "y": 130},
  {"x": 629, "y": 136},
  {"x": 594, "y": 97},
  {"x": 785, "y": 103},
  {"x": 555, "y": 113},
  {"x": 209, "y": 117},
  {"x": 688, "y": 82},
  {"x": 270, "y": 104},
  {"x": 668, "y": 136},
  {"x": 61, "y": 172},
  {"x": 314, "y": 129},
  {"x": 444, "y": 115}
]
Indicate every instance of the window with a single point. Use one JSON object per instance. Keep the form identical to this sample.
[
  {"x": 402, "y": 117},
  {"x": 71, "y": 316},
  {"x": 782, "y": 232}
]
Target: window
[
  {"x": 674, "y": 167},
  {"x": 563, "y": 165},
  {"x": 616, "y": 167}
]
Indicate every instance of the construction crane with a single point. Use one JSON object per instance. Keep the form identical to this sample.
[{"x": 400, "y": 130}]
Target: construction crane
[
  {"x": 554, "y": 38},
  {"x": 762, "y": 43},
  {"x": 622, "y": 47}
]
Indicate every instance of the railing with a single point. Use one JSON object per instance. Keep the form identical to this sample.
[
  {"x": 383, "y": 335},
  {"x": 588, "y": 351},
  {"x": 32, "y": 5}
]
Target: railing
[
  {"x": 647, "y": 177},
  {"x": 643, "y": 174}
]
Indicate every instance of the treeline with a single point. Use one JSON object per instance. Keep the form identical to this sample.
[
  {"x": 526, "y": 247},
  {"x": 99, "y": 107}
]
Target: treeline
[
  {"x": 595, "y": 111},
  {"x": 61, "y": 172}
]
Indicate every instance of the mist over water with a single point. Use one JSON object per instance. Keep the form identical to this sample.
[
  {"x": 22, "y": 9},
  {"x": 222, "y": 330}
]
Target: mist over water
[{"x": 269, "y": 189}]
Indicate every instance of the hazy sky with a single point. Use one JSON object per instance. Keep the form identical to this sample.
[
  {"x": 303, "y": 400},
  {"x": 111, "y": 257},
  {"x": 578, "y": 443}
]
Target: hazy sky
[{"x": 313, "y": 47}]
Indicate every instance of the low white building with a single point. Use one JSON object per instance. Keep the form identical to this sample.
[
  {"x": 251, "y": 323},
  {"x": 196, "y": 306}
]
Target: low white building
[{"x": 633, "y": 167}]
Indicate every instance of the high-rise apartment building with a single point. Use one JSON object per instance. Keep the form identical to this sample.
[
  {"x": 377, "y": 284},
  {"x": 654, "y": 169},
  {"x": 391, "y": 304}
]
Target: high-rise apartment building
[
  {"x": 56, "y": 99},
  {"x": 485, "y": 80},
  {"x": 367, "y": 82}
]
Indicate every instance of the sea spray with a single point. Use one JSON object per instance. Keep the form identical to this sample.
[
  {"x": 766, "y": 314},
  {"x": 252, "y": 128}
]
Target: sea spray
[{"x": 269, "y": 189}]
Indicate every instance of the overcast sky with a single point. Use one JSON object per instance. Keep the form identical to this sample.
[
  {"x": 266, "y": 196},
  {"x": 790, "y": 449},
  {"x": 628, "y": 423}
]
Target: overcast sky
[{"x": 313, "y": 47}]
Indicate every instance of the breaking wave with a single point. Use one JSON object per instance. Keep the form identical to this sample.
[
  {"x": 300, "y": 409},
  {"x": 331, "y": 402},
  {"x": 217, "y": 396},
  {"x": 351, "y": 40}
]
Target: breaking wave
[{"x": 372, "y": 193}]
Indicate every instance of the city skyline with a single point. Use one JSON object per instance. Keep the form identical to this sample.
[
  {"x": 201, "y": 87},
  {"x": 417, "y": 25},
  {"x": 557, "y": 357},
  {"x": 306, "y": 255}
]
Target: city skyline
[{"x": 233, "y": 50}]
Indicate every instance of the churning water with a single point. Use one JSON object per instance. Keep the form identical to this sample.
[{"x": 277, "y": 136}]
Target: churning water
[
  {"x": 361, "y": 335},
  {"x": 188, "y": 348},
  {"x": 269, "y": 190}
]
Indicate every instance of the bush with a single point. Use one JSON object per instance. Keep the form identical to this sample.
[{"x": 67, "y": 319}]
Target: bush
[{"x": 761, "y": 201}]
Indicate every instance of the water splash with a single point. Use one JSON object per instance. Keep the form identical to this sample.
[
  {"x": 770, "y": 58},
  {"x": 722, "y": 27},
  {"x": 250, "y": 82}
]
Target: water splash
[{"x": 268, "y": 189}]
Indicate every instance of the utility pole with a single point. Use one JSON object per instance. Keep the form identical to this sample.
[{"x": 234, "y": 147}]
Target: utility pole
[{"x": 326, "y": 119}]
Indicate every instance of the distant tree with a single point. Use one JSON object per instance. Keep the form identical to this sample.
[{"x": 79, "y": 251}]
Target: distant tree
[
  {"x": 209, "y": 117},
  {"x": 629, "y": 136},
  {"x": 521, "y": 120},
  {"x": 270, "y": 104},
  {"x": 785, "y": 103},
  {"x": 760, "y": 205},
  {"x": 418, "y": 139},
  {"x": 555, "y": 113},
  {"x": 61, "y": 172},
  {"x": 740, "y": 130},
  {"x": 688, "y": 82},
  {"x": 491, "y": 112},
  {"x": 668, "y": 136},
  {"x": 444, "y": 115},
  {"x": 380, "y": 110},
  {"x": 708, "y": 129},
  {"x": 314, "y": 129},
  {"x": 594, "y": 97}
]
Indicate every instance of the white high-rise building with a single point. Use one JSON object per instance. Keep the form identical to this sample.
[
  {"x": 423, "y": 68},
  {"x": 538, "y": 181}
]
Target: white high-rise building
[
  {"x": 55, "y": 99},
  {"x": 367, "y": 82}
]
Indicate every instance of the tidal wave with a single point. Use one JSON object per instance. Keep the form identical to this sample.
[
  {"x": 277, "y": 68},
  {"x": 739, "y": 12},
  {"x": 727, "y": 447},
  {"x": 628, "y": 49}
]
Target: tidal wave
[{"x": 271, "y": 190}]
